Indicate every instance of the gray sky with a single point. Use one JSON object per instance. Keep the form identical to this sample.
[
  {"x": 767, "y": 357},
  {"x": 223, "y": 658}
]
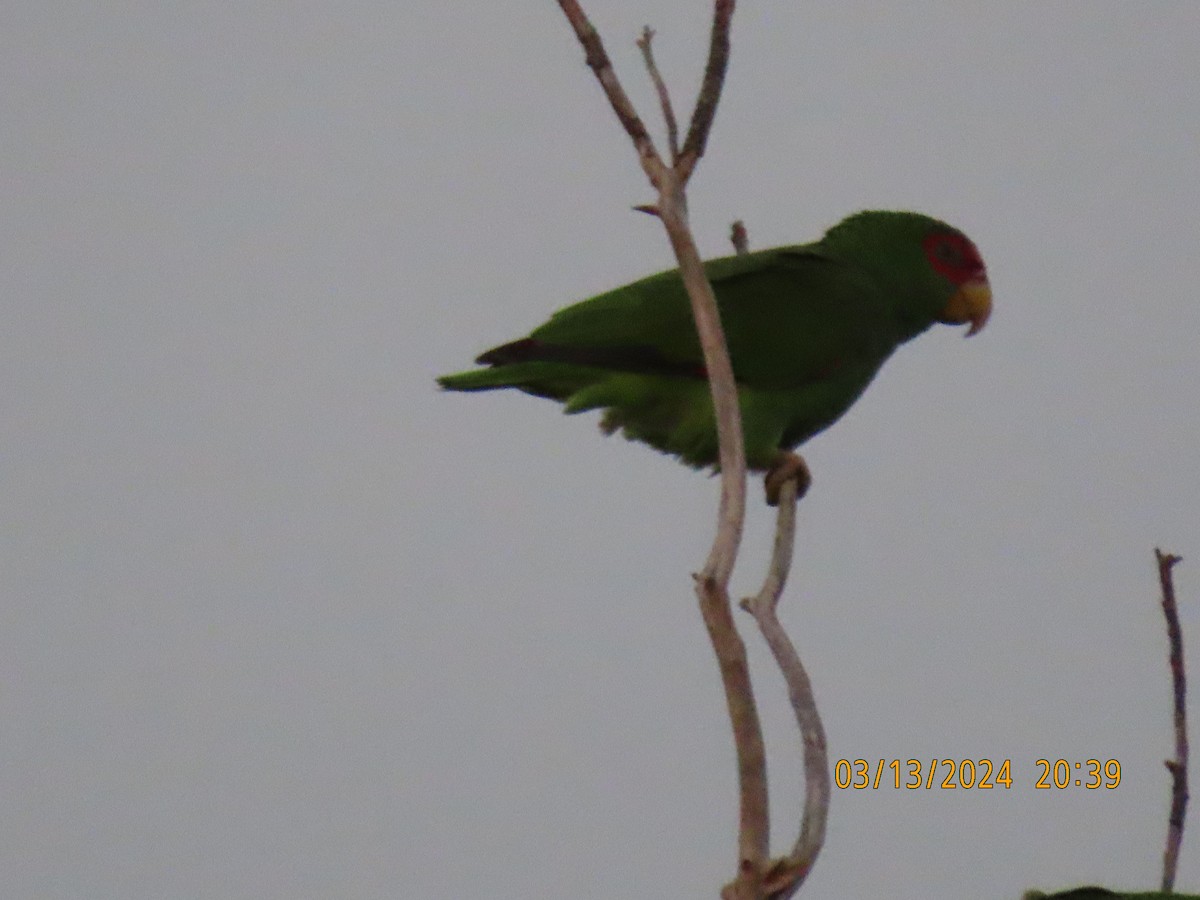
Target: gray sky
[{"x": 281, "y": 620}]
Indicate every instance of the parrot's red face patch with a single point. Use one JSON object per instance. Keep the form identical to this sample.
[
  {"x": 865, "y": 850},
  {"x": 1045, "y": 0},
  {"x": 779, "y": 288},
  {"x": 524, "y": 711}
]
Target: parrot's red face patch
[{"x": 954, "y": 257}]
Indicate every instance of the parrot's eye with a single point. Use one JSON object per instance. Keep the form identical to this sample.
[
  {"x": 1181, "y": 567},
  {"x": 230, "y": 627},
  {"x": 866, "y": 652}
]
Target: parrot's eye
[{"x": 948, "y": 253}]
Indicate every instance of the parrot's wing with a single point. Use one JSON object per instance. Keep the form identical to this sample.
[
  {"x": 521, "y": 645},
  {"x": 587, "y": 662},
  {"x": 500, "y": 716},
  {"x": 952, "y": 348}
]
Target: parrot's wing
[
  {"x": 800, "y": 317},
  {"x": 790, "y": 314}
]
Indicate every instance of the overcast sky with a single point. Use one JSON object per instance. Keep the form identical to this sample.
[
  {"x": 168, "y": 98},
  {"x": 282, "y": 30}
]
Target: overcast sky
[{"x": 281, "y": 620}]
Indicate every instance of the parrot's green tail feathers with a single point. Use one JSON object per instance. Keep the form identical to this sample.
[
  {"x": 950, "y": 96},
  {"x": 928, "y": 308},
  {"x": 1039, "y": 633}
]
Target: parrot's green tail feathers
[
  {"x": 477, "y": 380},
  {"x": 542, "y": 379}
]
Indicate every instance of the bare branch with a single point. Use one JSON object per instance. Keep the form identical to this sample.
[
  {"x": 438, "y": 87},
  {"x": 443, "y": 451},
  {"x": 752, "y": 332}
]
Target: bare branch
[
  {"x": 664, "y": 96},
  {"x": 672, "y": 209},
  {"x": 753, "y": 813},
  {"x": 786, "y": 874},
  {"x": 710, "y": 90},
  {"x": 731, "y": 449},
  {"x": 712, "y": 584},
  {"x": 601, "y": 65},
  {"x": 1177, "y": 766}
]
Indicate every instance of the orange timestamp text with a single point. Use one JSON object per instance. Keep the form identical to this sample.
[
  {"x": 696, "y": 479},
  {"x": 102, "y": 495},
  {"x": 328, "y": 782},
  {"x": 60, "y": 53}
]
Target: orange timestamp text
[{"x": 973, "y": 774}]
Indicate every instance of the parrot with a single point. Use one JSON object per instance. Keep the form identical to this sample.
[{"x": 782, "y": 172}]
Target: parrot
[{"x": 807, "y": 326}]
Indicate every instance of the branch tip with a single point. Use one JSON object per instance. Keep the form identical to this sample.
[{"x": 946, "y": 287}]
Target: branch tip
[
  {"x": 710, "y": 90},
  {"x": 664, "y": 96},
  {"x": 598, "y": 61},
  {"x": 739, "y": 238}
]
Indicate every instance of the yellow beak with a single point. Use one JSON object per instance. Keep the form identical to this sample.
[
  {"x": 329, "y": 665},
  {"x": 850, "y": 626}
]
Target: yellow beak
[{"x": 972, "y": 302}]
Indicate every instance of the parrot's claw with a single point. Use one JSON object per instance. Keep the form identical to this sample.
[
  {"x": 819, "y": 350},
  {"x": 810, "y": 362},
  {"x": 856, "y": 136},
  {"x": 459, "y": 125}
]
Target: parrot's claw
[{"x": 787, "y": 467}]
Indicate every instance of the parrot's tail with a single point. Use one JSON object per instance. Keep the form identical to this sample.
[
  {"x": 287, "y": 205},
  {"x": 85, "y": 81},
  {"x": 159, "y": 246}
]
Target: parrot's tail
[
  {"x": 556, "y": 381},
  {"x": 478, "y": 380}
]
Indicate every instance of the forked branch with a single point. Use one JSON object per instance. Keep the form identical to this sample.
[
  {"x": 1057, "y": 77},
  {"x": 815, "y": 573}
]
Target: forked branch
[
  {"x": 671, "y": 207},
  {"x": 756, "y": 876},
  {"x": 786, "y": 874}
]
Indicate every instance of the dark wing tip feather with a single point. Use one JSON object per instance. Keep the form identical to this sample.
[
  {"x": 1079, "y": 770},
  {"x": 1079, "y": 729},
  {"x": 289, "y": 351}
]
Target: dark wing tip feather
[
  {"x": 514, "y": 352},
  {"x": 618, "y": 358}
]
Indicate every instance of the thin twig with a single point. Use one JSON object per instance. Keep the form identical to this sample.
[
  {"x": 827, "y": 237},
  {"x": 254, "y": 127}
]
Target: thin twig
[
  {"x": 1177, "y": 766},
  {"x": 710, "y": 90},
  {"x": 664, "y": 96},
  {"x": 787, "y": 873},
  {"x": 597, "y": 59}
]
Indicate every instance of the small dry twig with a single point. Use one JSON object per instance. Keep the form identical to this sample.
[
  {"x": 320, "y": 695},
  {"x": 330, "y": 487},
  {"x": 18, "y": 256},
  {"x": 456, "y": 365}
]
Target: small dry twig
[
  {"x": 664, "y": 96},
  {"x": 1177, "y": 766},
  {"x": 597, "y": 59},
  {"x": 710, "y": 88}
]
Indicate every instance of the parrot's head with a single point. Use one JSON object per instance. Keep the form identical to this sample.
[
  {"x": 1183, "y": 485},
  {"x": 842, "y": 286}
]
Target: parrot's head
[
  {"x": 952, "y": 255},
  {"x": 930, "y": 271}
]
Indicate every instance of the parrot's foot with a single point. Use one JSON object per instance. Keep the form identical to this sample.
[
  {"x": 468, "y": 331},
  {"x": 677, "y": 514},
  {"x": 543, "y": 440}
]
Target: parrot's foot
[{"x": 787, "y": 467}]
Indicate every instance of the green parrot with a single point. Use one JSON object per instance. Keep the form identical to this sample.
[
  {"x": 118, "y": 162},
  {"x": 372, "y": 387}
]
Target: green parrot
[{"x": 808, "y": 326}]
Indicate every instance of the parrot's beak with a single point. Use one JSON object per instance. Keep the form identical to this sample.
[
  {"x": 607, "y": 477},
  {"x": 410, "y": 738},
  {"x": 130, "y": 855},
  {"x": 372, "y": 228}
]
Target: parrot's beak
[{"x": 972, "y": 302}]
